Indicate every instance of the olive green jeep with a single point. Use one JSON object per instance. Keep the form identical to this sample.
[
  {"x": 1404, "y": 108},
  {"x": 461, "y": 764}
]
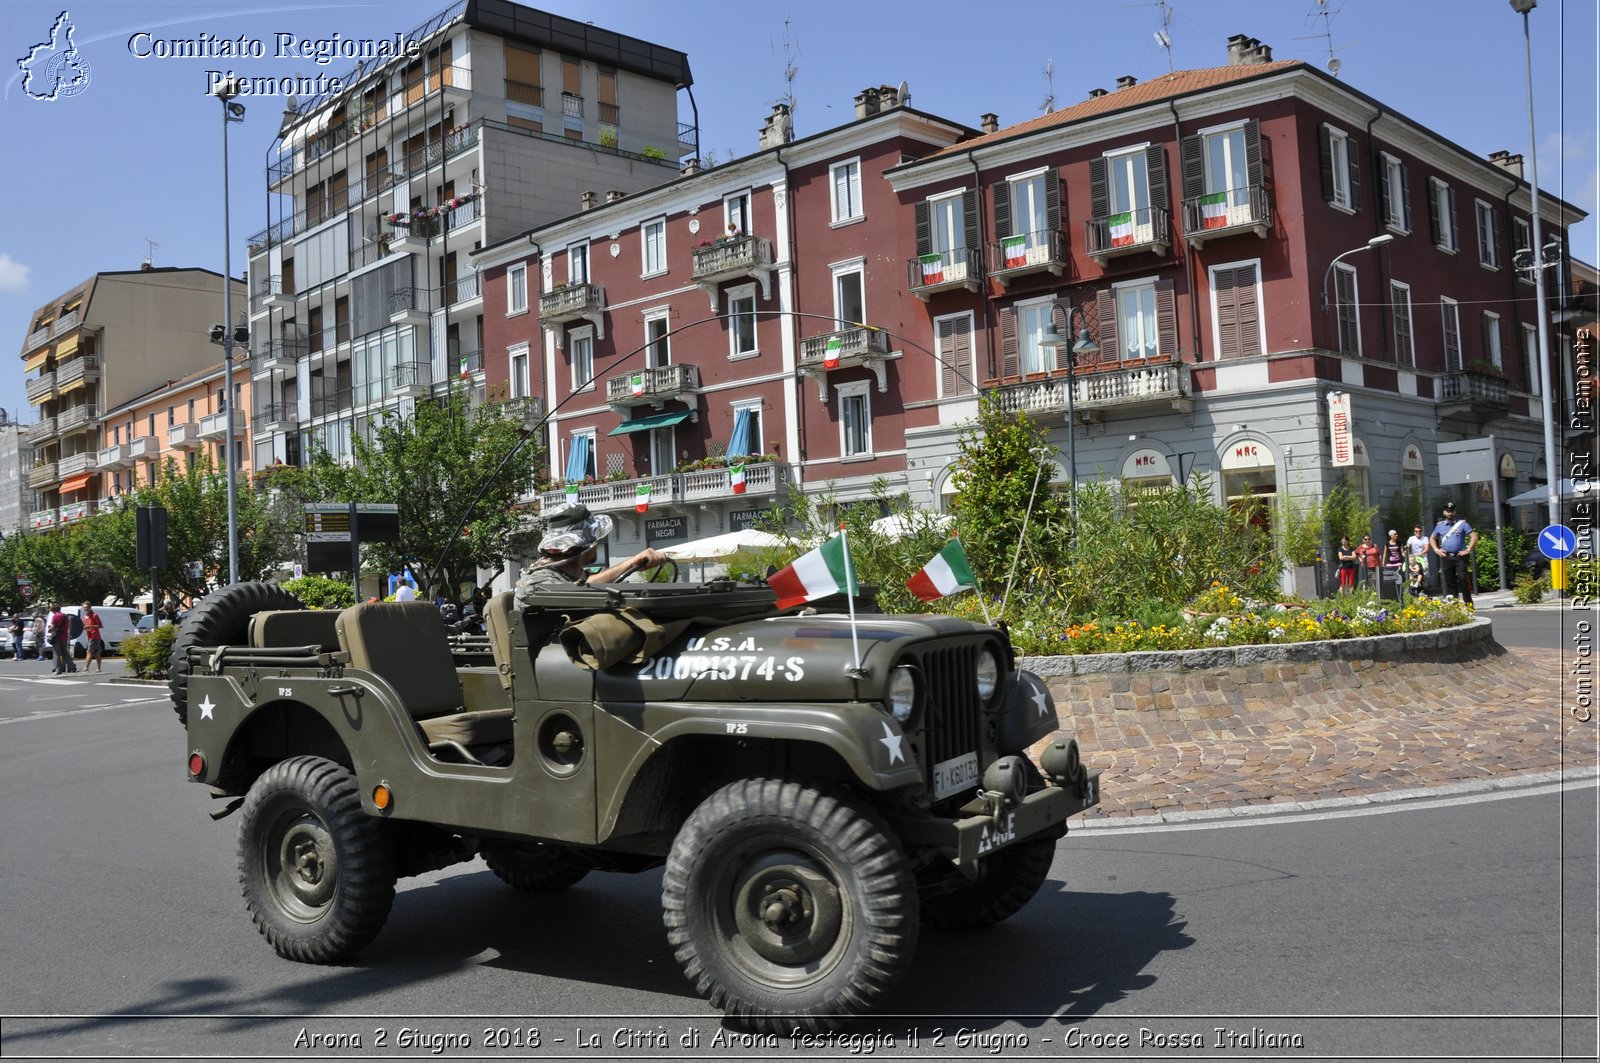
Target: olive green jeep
[{"x": 814, "y": 793}]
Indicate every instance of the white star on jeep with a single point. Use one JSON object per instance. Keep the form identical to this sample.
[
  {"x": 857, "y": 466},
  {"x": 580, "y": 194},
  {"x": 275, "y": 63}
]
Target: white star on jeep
[
  {"x": 205, "y": 708},
  {"x": 891, "y": 742},
  {"x": 1039, "y": 700}
]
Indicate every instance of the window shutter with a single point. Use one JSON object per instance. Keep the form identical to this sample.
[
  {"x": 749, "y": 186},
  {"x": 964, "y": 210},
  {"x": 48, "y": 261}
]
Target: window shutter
[
  {"x": 1349, "y": 332},
  {"x": 1052, "y": 199},
  {"x": 1355, "y": 173},
  {"x": 924, "y": 229},
  {"x": 1002, "y": 209},
  {"x": 969, "y": 215},
  {"x": 1253, "y": 167},
  {"x": 1400, "y": 305},
  {"x": 1106, "y": 309},
  {"x": 1155, "y": 160},
  {"x": 955, "y": 347},
  {"x": 1166, "y": 319},
  {"x": 1433, "y": 211},
  {"x": 1227, "y": 296},
  {"x": 1099, "y": 189},
  {"x": 1249, "y": 311},
  {"x": 1010, "y": 364},
  {"x": 1452, "y": 336},
  {"x": 1385, "y": 208},
  {"x": 1450, "y": 199},
  {"x": 1194, "y": 170},
  {"x": 1325, "y": 146},
  {"x": 1405, "y": 197}
]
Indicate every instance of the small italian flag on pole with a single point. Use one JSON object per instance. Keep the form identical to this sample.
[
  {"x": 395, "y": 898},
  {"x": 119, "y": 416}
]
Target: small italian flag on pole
[
  {"x": 824, "y": 571},
  {"x": 641, "y": 498},
  {"x": 1214, "y": 210},
  {"x": 736, "y": 477},
  {"x": 932, "y": 268},
  {"x": 830, "y": 353},
  {"x": 1121, "y": 226},
  {"x": 1016, "y": 248},
  {"x": 637, "y": 382},
  {"x": 948, "y": 573},
  {"x": 572, "y": 494}
]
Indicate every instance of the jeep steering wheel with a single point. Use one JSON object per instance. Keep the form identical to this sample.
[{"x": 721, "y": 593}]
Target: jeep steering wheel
[{"x": 673, "y": 572}]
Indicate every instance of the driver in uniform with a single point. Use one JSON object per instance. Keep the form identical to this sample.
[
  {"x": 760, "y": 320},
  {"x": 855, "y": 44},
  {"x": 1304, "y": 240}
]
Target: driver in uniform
[{"x": 571, "y": 542}]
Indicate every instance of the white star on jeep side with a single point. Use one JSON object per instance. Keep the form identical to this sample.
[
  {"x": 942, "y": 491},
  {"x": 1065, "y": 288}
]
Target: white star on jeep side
[
  {"x": 1039, "y": 700},
  {"x": 891, "y": 742},
  {"x": 205, "y": 708}
]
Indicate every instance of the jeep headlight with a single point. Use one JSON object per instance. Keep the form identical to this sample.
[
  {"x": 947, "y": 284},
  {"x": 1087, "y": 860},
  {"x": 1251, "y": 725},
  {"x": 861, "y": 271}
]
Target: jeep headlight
[
  {"x": 988, "y": 672},
  {"x": 902, "y": 693}
]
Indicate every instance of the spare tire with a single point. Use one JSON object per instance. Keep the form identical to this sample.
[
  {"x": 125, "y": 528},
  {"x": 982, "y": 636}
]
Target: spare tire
[{"x": 221, "y": 619}]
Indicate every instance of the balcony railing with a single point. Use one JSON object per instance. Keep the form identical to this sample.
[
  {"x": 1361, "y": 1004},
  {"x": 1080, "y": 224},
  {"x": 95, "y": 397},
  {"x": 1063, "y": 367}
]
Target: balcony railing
[
  {"x": 77, "y": 370},
  {"x": 465, "y": 287},
  {"x": 41, "y": 519},
  {"x": 616, "y": 494},
  {"x": 43, "y": 474},
  {"x": 370, "y": 252},
  {"x": 215, "y": 425},
  {"x": 145, "y": 448},
  {"x": 571, "y": 302},
  {"x": 1037, "y": 252},
  {"x": 937, "y": 271},
  {"x": 653, "y": 385},
  {"x": 1135, "y": 384},
  {"x": 714, "y": 483},
  {"x": 278, "y": 417},
  {"x": 36, "y": 434},
  {"x": 1141, "y": 229},
  {"x": 65, "y": 323},
  {"x": 408, "y": 306},
  {"x": 1474, "y": 387},
  {"x": 271, "y": 291},
  {"x": 846, "y": 348},
  {"x": 78, "y": 418},
  {"x": 37, "y": 338},
  {"x": 332, "y": 402},
  {"x": 412, "y": 379},
  {"x": 112, "y": 458},
  {"x": 277, "y": 354},
  {"x": 452, "y": 145},
  {"x": 466, "y": 214},
  {"x": 73, "y": 464},
  {"x": 731, "y": 257},
  {"x": 1216, "y": 214},
  {"x": 41, "y": 387},
  {"x": 184, "y": 435},
  {"x": 75, "y": 511}
]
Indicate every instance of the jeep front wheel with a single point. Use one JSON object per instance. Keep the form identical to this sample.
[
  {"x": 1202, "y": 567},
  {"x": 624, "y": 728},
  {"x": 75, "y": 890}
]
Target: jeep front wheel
[
  {"x": 318, "y": 873},
  {"x": 786, "y": 903}
]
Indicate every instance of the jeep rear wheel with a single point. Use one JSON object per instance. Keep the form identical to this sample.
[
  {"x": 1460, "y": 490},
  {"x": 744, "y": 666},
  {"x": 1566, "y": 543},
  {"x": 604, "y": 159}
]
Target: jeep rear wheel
[
  {"x": 786, "y": 903},
  {"x": 1006, "y": 882},
  {"x": 318, "y": 873},
  {"x": 221, "y": 619},
  {"x": 531, "y": 868}
]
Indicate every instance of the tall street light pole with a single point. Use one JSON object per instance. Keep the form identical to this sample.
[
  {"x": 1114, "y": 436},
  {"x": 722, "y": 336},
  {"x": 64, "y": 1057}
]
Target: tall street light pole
[
  {"x": 231, "y": 112},
  {"x": 1546, "y": 402}
]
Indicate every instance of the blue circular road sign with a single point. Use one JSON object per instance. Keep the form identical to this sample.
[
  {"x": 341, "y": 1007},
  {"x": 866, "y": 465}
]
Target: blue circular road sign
[{"x": 1557, "y": 542}]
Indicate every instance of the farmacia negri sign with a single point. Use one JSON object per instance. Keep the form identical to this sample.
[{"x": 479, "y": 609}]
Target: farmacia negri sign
[{"x": 318, "y": 50}]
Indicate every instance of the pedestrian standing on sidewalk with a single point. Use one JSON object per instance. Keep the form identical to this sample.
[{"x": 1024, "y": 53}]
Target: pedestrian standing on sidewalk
[
  {"x": 1369, "y": 557},
  {"x": 1394, "y": 560},
  {"x": 1347, "y": 566},
  {"x": 16, "y": 635},
  {"x": 92, "y": 626},
  {"x": 1418, "y": 548},
  {"x": 1453, "y": 541},
  {"x": 60, "y": 630}
]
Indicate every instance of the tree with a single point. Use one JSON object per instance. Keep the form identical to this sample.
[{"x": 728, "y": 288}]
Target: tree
[{"x": 432, "y": 464}]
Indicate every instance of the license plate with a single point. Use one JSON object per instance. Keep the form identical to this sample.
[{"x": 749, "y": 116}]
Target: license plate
[{"x": 955, "y": 775}]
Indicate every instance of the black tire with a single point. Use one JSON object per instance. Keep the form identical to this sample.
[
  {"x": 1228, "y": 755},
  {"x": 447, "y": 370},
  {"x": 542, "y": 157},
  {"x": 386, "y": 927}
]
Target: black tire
[
  {"x": 1006, "y": 882},
  {"x": 317, "y": 872},
  {"x": 221, "y": 619},
  {"x": 532, "y": 868},
  {"x": 842, "y": 922}
]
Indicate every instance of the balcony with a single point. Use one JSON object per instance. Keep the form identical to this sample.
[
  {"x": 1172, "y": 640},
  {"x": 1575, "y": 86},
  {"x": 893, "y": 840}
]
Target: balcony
[
  {"x": 77, "y": 372},
  {"x": 573, "y": 302},
  {"x": 37, "y": 338},
  {"x": 464, "y": 215},
  {"x": 1473, "y": 391},
  {"x": 43, "y": 432},
  {"x": 113, "y": 458},
  {"x": 939, "y": 271},
  {"x": 413, "y": 238},
  {"x": 463, "y": 289},
  {"x": 712, "y": 484},
  {"x": 615, "y": 495},
  {"x": 73, "y": 464},
  {"x": 411, "y": 379},
  {"x": 65, "y": 323},
  {"x": 78, "y": 418},
  {"x": 731, "y": 259},
  {"x": 42, "y": 475},
  {"x": 654, "y": 386},
  {"x": 370, "y": 252},
  {"x": 145, "y": 448},
  {"x": 272, "y": 294},
  {"x": 1125, "y": 386},
  {"x": 847, "y": 348},
  {"x": 339, "y": 400},
  {"x": 1018, "y": 256},
  {"x": 277, "y": 354},
  {"x": 41, "y": 387},
  {"x": 1130, "y": 232},
  {"x": 185, "y": 435},
  {"x": 1219, "y": 214},
  {"x": 529, "y": 410},
  {"x": 214, "y": 426},
  {"x": 279, "y": 417},
  {"x": 408, "y": 306},
  {"x": 75, "y": 511},
  {"x": 40, "y": 519}
]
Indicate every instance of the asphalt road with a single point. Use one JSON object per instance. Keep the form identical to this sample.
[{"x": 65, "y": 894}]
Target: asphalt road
[
  {"x": 1541, "y": 627},
  {"x": 1460, "y": 931}
]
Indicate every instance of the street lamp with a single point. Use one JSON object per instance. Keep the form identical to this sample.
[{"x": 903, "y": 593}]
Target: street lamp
[
  {"x": 1538, "y": 266},
  {"x": 1053, "y": 340},
  {"x": 231, "y": 112},
  {"x": 1372, "y": 244}
]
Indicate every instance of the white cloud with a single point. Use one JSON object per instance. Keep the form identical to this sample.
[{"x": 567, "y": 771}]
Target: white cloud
[{"x": 13, "y": 274}]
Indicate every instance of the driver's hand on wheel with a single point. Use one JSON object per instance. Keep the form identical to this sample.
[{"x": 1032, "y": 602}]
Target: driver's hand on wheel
[{"x": 649, "y": 558}]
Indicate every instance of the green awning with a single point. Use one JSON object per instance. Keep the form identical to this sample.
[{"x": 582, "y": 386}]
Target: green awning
[{"x": 644, "y": 424}]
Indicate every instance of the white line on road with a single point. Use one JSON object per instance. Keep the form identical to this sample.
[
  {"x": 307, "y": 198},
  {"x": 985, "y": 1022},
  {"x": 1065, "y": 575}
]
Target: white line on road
[{"x": 53, "y": 715}]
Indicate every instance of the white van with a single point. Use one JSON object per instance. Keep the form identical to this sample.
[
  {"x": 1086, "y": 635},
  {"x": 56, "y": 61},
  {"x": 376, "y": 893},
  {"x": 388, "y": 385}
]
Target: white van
[{"x": 116, "y": 624}]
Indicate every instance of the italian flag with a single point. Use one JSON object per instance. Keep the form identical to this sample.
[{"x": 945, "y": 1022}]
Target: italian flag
[
  {"x": 466, "y": 373},
  {"x": 1214, "y": 210},
  {"x": 641, "y": 498},
  {"x": 830, "y": 353},
  {"x": 932, "y": 268},
  {"x": 1016, "y": 249},
  {"x": 736, "y": 478},
  {"x": 824, "y": 571},
  {"x": 637, "y": 382},
  {"x": 946, "y": 574},
  {"x": 572, "y": 494},
  {"x": 1121, "y": 226}
]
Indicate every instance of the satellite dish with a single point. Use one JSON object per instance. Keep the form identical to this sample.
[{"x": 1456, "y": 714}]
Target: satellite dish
[
  {"x": 1333, "y": 65},
  {"x": 905, "y": 93}
]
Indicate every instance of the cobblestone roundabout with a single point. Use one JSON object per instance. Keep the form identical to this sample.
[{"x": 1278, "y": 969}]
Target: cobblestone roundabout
[{"x": 1254, "y": 725}]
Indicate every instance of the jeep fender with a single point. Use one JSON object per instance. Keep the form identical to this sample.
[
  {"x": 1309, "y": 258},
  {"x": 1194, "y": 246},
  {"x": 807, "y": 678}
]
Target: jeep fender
[{"x": 1027, "y": 714}]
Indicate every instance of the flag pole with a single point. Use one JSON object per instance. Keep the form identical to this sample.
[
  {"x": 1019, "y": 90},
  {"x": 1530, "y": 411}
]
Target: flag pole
[
  {"x": 978, "y": 590},
  {"x": 850, "y": 596}
]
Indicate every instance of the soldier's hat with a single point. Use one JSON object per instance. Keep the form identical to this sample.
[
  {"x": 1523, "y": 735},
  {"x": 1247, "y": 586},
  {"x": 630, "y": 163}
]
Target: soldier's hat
[{"x": 573, "y": 528}]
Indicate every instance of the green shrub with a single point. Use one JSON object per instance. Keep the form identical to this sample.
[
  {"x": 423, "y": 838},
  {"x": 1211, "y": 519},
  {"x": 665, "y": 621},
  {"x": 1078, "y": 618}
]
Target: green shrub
[
  {"x": 320, "y": 592},
  {"x": 147, "y": 654},
  {"x": 1529, "y": 588}
]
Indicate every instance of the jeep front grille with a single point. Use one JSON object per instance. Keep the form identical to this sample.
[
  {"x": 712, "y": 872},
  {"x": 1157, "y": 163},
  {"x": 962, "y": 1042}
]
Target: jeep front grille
[{"x": 952, "y": 715}]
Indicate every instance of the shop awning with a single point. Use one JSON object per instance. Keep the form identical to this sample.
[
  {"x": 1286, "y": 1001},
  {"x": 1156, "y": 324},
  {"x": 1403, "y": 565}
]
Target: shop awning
[
  {"x": 644, "y": 424},
  {"x": 77, "y": 483},
  {"x": 67, "y": 347}
]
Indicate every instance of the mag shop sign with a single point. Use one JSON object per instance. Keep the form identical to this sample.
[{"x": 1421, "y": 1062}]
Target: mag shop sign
[{"x": 660, "y": 530}]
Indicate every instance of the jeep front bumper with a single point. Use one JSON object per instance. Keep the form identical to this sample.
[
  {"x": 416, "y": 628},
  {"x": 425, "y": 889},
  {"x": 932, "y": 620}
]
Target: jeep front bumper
[{"x": 1043, "y": 813}]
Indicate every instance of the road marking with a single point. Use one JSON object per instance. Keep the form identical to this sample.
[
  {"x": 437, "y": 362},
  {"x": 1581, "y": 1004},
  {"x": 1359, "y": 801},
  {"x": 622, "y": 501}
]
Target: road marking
[{"x": 53, "y": 715}]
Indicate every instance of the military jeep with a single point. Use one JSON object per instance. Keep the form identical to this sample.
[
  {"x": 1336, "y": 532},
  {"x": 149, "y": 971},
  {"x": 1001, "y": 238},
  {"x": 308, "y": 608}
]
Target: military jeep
[{"x": 814, "y": 792}]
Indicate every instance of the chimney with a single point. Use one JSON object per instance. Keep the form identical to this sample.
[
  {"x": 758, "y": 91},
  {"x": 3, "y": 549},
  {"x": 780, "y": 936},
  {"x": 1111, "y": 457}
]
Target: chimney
[
  {"x": 1095, "y": 94},
  {"x": 589, "y": 198},
  {"x": 1237, "y": 45},
  {"x": 1126, "y": 81},
  {"x": 691, "y": 167},
  {"x": 778, "y": 128},
  {"x": 868, "y": 102},
  {"x": 613, "y": 195},
  {"x": 1261, "y": 54},
  {"x": 989, "y": 122},
  {"x": 1511, "y": 164},
  {"x": 888, "y": 96}
]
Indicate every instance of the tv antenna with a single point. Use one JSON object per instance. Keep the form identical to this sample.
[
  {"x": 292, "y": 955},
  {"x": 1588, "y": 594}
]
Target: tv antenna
[
  {"x": 1321, "y": 11},
  {"x": 1049, "y": 104},
  {"x": 1163, "y": 36},
  {"x": 791, "y": 70},
  {"x": 150, "y": 252}
]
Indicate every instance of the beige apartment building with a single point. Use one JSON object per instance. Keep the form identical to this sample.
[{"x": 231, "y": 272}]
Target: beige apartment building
[{"x": 182, "y": 420}]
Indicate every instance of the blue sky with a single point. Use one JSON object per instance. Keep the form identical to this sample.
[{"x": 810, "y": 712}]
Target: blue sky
[{"x": 136, "y": 154}]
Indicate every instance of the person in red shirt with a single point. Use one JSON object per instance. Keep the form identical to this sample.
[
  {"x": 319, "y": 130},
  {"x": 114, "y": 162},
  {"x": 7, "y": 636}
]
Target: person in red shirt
[
  {"x": 91, "y": 632},
  {"x": 1370, "y": 557}
]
